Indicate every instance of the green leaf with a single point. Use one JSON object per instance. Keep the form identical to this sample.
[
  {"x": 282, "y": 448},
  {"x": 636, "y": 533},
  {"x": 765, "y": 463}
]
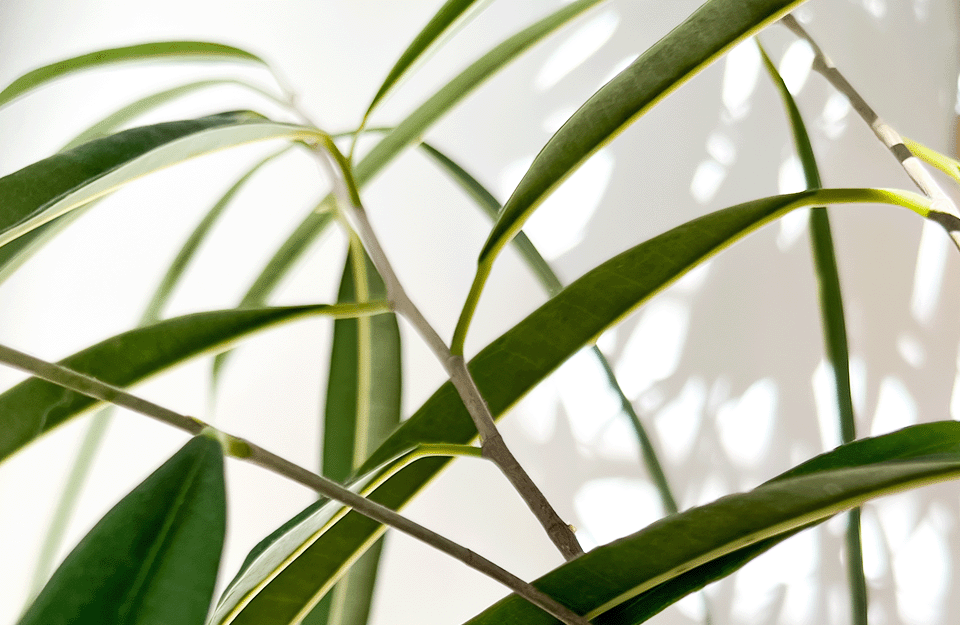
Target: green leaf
[
  {"x": 153, "y": 559},
  {"x": 160, "y": 51},
  {"x": 140, "y": 107},
  {"x": 408, "y": 132},
  {"x": 362, "y": 410},
  {"x": 708, "y": 33},
  {"x": 175, "y": 271},
  {"x": 35, "y": 407},
  {"x": 439, "y": 26},
  {"x": 911, "y": 443},
  {"x": 834, "y": 327},
  {"x": 944, "y": 163},
  {"x": 52, "y": 187},
  {"x": 504, "y": 371},
  {"x": 615, "y": 573}
]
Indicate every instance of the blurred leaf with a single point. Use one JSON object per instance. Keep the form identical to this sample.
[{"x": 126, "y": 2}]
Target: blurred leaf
[
  {"x": 35, "y": 407},
  {"x": 409, "y": 131},
  {"x": 160, "y": 51},
  {"x": 440, "y": 24},
  {"x": 140, "y": 107},
  {"x": 52, "y": 187},
  {"x": 944, "y": 163},
  {"x": 702, "y": 38},
  {"x": 611, "y": 575},
  {"x": 504, "y": 371},
  {"x": 175, "y": 271},
  {"x": 153, "y": 559},
  {"x": 362, "y": 409}
]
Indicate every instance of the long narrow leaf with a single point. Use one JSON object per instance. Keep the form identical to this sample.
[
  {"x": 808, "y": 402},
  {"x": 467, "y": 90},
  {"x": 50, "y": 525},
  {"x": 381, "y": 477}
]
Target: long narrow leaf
[
  {"x": 707, "y": 34},
  {"x": 613, "y": 574},
  {"x": 154, "y": 557},
  {"x": 35, "y": 407},
  {"x": 452, "y": 12},
  {"x": 504, "y": 371},
  {"x": 408, "y": 132},
  {"x": 159, "y": 51},
  {"x": 834, "y": 327},
  {"x": 141, "y": 106},
  {"x": 362, "y": 410},
  {"x": 101, "y": 421},
  {"x": 551, "y": 283},
  {"x": 52, "y": 187}
]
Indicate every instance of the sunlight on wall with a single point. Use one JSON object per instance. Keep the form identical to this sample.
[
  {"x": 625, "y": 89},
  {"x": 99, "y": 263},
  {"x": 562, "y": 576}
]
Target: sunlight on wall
[
  {"x": 746, "y": 424},
  {"x": 584, "y": 42}
]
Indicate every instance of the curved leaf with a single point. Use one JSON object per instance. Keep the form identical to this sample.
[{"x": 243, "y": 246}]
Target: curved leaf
[
  {"x": 911, "y": 443},
  {"x": 439, "y": 25},
  {"x": 612, "y": 574},
  {"x": 703, "y": 37},
  {"x": 510, "y": 367},
  {"x": 52, "y": 187},
  {"x": 34, "y": 406},
  {"x": 362, "y": 410},
  {"x": 159, "y": 51},
  {"x": 138, "y": 108},
  {"x": 154, "y": 557},
  {"x": 408, "y": 132}
]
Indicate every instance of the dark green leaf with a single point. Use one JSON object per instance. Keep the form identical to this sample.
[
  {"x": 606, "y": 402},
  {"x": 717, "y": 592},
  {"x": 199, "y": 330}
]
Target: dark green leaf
[
  {"x": 34, "y": 406},
  {"x": 703, "y": 37},
  {"x": 159, "y": 51},
  {"x": 153, "y": 559},
  {"x": 504, "y": 371},
  {"x": 56, "y": 185},
  {"x": 612, "y": 574}
]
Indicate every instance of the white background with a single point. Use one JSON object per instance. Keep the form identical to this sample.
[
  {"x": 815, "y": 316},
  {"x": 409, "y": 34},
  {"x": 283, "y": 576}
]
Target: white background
[{"x": 725, "y": 367}]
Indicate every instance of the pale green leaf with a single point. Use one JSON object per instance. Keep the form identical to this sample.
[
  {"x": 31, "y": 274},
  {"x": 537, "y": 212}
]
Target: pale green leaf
[
  {"x": 160, "y": 51},
  {"x": 408, "y": 132}
]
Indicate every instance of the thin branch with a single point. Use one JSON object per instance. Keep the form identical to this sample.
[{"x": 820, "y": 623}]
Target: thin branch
[
  {"x": 943, "y": 211},
  {"x": 245, "y": 450},
  {"x": 491, "y": 441}
]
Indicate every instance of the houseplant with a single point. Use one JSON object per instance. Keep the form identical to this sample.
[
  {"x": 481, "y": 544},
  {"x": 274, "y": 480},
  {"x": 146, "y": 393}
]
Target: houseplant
[{"x": 218, "y": 131}]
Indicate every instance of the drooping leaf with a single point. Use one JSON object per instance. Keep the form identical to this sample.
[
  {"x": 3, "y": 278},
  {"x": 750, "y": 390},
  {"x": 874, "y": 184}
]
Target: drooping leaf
[
  {"x": 702, "y": 38},
  {"x": 834, "y": 326},
  {"x": 944, "y": 163},
  {"x": 35, "y": 407},
  {"x": 189, "y": 248},
  {"x": 151, "y": 560},
  {"x": 159, "y": 51},
  {"x": 504, "y": 371},
  {"x": 124, "y": 115},
  {"x": 408, "y": 132},
  {"x": 362, "y": 409},
  {"x": 439, "y": 26},
  {"x": 612, "y": 574},
  {"x": 52, "y": 187}
]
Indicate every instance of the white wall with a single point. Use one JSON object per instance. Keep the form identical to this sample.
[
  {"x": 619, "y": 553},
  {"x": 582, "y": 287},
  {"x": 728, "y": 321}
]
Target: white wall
[{"x": 723, "y": 366}]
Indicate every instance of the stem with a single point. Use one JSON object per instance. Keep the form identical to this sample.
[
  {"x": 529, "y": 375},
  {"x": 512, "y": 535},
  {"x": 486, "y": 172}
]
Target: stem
[
  {"x": 244, "y": 450},
  {"x": 943, "y": 210},
  {"x": 491, "y": 441}
]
